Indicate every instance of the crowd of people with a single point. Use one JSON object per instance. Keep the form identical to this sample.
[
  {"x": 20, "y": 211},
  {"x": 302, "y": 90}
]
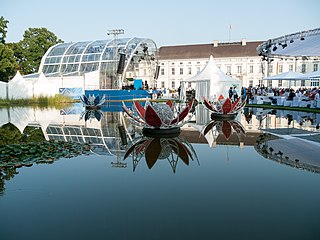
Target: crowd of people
[{"x": 289, "y": 93}]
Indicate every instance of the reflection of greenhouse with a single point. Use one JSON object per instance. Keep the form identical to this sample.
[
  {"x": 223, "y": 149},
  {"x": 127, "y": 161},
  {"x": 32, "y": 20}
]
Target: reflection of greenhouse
[{"x": 103, "y": 137}]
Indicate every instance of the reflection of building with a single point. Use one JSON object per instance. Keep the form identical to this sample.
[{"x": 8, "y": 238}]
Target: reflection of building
[
  {"x": 258, "y": 118},
  {"x": 301, "y": 151}
]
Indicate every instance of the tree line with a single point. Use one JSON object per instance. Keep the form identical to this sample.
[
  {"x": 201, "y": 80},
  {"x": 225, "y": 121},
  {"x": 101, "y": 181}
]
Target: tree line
[{"x": 25, "y": 55}]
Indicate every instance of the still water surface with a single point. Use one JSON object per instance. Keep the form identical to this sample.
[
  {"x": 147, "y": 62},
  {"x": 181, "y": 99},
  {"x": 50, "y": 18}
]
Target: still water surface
[{"x": 231, "y": 192}]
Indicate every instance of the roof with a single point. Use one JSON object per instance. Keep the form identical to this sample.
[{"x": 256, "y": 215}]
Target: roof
[
  {"x": 299, "y": 44},
  {"x": 82, "y": 57},
  {"x": 223, "y": 50}
]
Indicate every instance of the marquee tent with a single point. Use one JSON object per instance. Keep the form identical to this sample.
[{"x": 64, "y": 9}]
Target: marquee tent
[
  {"x": 315, "y": 74},
  {"x": 287, "y": 76},
  {"x": 19, "y": 88},
  {"x": 211, "y": 82},
  {"x": 43, "y": 87}
]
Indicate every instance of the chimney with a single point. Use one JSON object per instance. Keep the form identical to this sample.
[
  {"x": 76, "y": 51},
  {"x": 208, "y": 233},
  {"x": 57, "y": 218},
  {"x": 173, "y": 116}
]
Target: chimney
[
  {"x": 243, "y": 42},
  {"x": 215, "y": 43}
]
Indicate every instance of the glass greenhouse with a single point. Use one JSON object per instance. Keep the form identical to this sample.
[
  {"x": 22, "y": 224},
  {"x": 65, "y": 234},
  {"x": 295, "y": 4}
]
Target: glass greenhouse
[{"x": 110, "y": 59}]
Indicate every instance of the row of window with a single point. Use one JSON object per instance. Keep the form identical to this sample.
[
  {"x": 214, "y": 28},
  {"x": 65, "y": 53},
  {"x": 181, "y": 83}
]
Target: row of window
[{"x": 239, "y": 69}]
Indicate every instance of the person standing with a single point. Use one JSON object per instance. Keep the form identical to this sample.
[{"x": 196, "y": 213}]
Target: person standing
[
  {"x": 235, "y": 94},
  {"x": 230, "y": 93}
]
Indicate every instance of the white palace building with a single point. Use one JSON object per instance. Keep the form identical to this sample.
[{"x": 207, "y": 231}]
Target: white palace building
[{"x": 237, "y": 59}]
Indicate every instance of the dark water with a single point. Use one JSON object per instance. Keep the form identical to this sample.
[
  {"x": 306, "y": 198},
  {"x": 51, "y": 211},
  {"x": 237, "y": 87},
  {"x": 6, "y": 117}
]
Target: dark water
[
  {"x": 234, "y": 193},
  {"x": 230, "y": 193}
]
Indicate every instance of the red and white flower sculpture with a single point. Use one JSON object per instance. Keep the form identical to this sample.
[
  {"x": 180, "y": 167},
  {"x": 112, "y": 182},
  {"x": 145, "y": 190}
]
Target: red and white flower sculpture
[
  {"x": 224, "y": 108},
  {"x": 158, "y": 115}
]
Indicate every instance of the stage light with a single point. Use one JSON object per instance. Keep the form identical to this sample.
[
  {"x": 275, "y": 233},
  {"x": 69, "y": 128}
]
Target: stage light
[
  {"x": 302, "y": 38},
  {"x": 156, "y": 75},
  {"x": 121, "y": 63},
  {"x": 274, "y": 48},
  {"x": 291, "y": 41},
  {"x": 284, "y": 45}
]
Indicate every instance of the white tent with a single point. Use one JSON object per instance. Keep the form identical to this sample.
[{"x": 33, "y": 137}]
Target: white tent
[
  {"x": 287, "y": 76},
  {"x": 3, "y": 89},
  {"x": 19, "y": 88},
  {"x": 315, "y": 74},
  {"x": 43, "y": 87},
  {"x": 211, "y": 82}
]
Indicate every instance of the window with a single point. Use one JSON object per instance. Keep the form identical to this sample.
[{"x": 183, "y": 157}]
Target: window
[
  {"x": 239, "y": 69},
  {"x": 228, "y": 69},
  {"x": 173, "y": 71},
  {"x": 315, "y": 67},
  {"x": 280, "y": 68},
  {"x": 198, "y": 69},
  {"x": 303, "y": 83},
  {"x": 189, "y": 71},
  {"x": 303, "y": 68},
  {"x": 280, "y": 83},
  {"x": 250, "y": 83},
  {"x": 291, "y": 67},
  {"x": 251, "y": 69},
  {"x": 270, "y": 83},
  {"x": 181, "y": 71},
  {"x": 162, "y": 71},
  {"x": 270, "y": 68},
  {"x": 189, "y": 84},
  {"x": 181, "y": 63},
  {"x": 162, "y": 84},
  {"x": 314, "y": 83},
  {"x": 173, "y": 84}
]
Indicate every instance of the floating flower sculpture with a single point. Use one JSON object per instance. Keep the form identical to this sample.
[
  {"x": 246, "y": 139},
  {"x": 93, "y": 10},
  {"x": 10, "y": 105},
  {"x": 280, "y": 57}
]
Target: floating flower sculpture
[
  {"x": 224, "y": 108},
  {"x": 92, "y": 101},
  {"x": 154, "y": 149},
  {"x": 224, "y": 127},
  {"x": 159, "y": 116}
]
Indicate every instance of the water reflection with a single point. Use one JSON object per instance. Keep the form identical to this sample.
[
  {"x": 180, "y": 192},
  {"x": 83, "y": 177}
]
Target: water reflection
[
  {"x": 225, "y": 128},
  {"x": 89, "y": 114},
  {"x": 153, "y": 149},
  {"x": 295, "y": 153}
]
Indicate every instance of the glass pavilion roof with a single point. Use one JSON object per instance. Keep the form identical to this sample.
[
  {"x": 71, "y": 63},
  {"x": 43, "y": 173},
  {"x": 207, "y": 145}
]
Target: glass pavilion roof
[{"x": 67, "y": 59}]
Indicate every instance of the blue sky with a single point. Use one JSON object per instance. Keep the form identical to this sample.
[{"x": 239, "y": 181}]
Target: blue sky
[{"x": 167, "y": 22}]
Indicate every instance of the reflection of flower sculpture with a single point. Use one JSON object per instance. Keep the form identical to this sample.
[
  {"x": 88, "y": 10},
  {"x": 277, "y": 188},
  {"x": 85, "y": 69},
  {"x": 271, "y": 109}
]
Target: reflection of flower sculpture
[
  {"x": 224, "y": 127},
  {"x": 89, "y": 114},
  {"x": 224, "y": 108},
  {"x": 158, "y": 116},
  {"x": 154, "y": 149}
]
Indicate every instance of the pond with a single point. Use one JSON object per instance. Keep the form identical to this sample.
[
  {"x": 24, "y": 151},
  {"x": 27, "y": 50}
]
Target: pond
[{"x": 254, "y": 178}]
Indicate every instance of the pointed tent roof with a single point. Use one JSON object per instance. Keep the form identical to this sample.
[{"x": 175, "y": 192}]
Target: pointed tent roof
[
  {"x": 315, "y": 74},
  {"x": 287, "y": 76},
  {"x": 43, "y": 87},
  {"x": 18, "y": 87},
  {"x": 217, "y": 82},
  {"x": 211, "y": 72}
]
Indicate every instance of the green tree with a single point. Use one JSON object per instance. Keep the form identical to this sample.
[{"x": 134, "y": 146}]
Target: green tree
[
  {"x": 35, "y": 43},
  {"x": 7, "y": 63},
  {"x": 3, "y": 29},
  {"x": 7, "y": 60}
]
